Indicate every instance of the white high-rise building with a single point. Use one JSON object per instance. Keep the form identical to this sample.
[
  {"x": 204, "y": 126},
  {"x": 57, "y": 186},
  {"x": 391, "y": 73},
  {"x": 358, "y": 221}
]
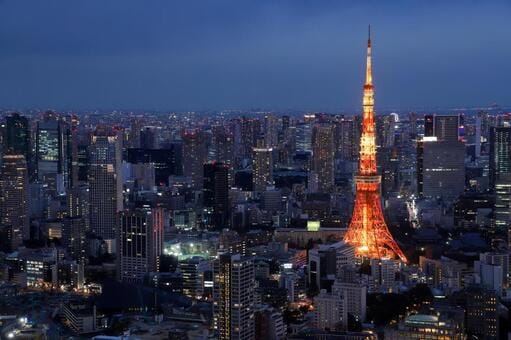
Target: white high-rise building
[
  {"x": 383, "y": 275},
  {"x": 354, "y": 295},
  {"x": 330, "y": 311}
]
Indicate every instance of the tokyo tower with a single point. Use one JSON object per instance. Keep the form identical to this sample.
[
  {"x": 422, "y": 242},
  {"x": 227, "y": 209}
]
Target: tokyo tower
[{"x": 367, "y": 231}]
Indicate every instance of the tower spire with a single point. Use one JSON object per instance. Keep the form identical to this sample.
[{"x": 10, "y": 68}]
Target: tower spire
[{"x": 369, "y": 75}]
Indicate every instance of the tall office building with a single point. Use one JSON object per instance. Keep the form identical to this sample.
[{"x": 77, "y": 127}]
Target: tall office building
[
  {"x": 216, "y": 194},
  {"x": 262, "y": 168},
  {"x": 14, "y": 197},
  {"x": 17, "y": 136},
  {"x": 482, "y": 314},
  {"x": 500, "y": 173},
  {"x": 77, "y": 222},
  {"x": 105, "y": 181},
  {"x": 447, "y": 128},
  {"x": 323, "y": 156},
  {"x": 53, "y": 153},
  {"x": 304, "y": 133},
  {"x": 194, "y": 156},
  {"x": 140, "y": 243},
  {"x": 233, "y": 297},
  {"x": 440, "y": 168}
]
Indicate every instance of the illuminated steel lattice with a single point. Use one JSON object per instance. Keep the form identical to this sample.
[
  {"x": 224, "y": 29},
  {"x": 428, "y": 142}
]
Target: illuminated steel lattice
[{"x": 368, "y": 232}]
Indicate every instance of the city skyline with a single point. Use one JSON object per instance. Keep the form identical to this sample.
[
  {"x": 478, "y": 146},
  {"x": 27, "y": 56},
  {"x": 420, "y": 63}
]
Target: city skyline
[
  {"x": 261, "y": 222},
  {"x": 286, "y": 55}
]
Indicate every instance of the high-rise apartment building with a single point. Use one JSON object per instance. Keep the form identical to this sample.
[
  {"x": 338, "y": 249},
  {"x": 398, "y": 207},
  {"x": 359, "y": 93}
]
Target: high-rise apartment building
[
  {"x": 330, "y": 311},
  {"x": 233, "y": 297},
  {"x": 354, "y": 293},
  {"x": 262, "y": 168}
]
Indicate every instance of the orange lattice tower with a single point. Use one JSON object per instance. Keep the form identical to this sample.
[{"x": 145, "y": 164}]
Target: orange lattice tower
[{"x": 368, "y": 231}]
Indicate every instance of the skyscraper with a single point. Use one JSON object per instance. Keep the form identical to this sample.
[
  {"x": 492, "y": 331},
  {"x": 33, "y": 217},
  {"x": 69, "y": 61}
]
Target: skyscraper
[
  {"x": 140, "y": 243},
  {"x": 262, "y": 168},
  {"x": 14, "y": 198},
  {"x": 323, "y": 151},
  {"x": 233, "y": 297},
  {"x": 216, "y": 193},
  {"x": 500, "y": 173},
  {"x": 105, "y": 181},
  {"x": 367, "y": 231}
]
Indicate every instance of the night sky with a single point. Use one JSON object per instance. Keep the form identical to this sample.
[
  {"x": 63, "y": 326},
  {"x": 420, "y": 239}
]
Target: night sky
[{"x": 223, "y": 54}]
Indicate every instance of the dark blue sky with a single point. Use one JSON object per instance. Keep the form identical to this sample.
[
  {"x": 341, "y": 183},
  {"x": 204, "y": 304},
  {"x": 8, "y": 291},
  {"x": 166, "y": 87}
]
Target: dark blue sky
[{"x": 189, "y": 54}]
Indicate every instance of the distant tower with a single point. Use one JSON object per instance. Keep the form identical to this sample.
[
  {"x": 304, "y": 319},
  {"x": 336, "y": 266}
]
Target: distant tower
[{"x": 368, "y": 231}]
